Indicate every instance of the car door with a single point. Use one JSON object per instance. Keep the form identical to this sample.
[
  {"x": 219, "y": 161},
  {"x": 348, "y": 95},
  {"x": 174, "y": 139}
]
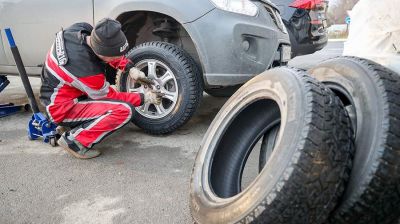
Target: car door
[
  {"x": 34, "y": 24},
  {"x": 3, "y": 59}
]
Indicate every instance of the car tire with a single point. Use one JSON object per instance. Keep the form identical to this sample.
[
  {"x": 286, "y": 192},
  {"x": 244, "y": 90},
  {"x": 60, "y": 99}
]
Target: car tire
[
  {"x": 227, "y": 91},
  {"x": 267, "y": 145},
  {"x": 372, "y": 93},
  {"x": 307, "y": 170},
  {"x": 185, "y": 76}
]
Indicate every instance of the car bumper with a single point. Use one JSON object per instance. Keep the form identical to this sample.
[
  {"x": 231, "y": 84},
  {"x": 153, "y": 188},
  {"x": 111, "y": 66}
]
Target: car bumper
[
  {"x": 309, "y": 46},
  {"x": 233, "y": 48}
]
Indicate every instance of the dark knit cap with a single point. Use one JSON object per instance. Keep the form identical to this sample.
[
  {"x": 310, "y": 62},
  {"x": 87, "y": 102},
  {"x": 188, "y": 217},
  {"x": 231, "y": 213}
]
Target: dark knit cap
[{"x": 107, "y": 39}]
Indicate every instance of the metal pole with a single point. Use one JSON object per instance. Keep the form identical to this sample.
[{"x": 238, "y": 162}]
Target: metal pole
[{"x": 22, "y": 71}]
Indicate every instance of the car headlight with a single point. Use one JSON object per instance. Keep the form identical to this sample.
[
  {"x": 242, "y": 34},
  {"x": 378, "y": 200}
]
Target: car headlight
[{"x": 245, "y": 7}]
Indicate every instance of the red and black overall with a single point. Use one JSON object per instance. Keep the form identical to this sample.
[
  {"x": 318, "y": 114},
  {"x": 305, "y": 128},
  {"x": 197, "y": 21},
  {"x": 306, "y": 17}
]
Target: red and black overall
[{"x": 75, "y": 91}]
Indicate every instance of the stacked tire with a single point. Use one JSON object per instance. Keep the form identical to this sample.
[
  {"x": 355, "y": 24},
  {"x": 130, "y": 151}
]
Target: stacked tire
[
  {"x": 330, "y": 149},
  {"x": 372, "y": 94}
]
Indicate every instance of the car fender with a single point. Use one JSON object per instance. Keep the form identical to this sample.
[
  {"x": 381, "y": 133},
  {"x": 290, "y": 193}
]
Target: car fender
[{"x": 184, "y": 11}]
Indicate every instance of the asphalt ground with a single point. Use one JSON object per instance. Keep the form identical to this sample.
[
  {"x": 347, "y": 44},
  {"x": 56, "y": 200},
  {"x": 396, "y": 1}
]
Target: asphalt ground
[{"x": 138, "y": 179}]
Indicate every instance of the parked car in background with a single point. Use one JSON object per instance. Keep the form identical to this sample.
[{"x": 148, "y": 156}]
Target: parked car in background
[
  {"x": 185, "y": 46},
  {"x": 306, "y": 23}
]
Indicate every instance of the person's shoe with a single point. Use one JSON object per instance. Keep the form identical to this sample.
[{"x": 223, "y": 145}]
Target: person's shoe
[{"x": 77, "y": 150}]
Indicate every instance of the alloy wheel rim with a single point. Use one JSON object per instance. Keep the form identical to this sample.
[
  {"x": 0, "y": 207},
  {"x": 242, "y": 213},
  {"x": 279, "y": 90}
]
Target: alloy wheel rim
[{"x": 165, "y": 82}]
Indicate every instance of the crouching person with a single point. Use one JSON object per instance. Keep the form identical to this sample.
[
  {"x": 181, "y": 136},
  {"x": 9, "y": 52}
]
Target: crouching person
[{"x": 75, "y": 91}]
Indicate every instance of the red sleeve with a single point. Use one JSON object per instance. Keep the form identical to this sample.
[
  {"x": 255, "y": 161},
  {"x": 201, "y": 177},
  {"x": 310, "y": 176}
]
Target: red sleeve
[
  {"x": 136, "y": 99},
  {"x": 96, "y": 87},
  {"x": 94, "y": 82}
]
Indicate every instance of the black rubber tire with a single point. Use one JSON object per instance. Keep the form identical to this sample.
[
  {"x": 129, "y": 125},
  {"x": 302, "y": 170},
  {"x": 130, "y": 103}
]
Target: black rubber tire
[
  {"x": 223, "y": 92},
  {"x": 53, "y": 142},
  {"x": 373, "y": 193},
  {"x": 190, "y": 85},
  {"x": 307, "y": 171},
  {"x": 267, "y": 145}
]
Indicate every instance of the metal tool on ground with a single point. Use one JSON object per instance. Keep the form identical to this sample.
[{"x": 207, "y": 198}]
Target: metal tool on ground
[
  {"x": 39, "y": 126},
  {"x": 8, "y": 108}
]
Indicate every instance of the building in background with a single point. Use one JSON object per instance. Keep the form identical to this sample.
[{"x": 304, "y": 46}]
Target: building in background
[{"x": 337, "y": 10}]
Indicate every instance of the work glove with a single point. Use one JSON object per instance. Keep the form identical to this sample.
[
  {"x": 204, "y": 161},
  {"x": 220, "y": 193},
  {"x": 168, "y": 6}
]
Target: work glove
[
  {"x": 140, "y": 77},
  {"x": 153, "y": 96}
]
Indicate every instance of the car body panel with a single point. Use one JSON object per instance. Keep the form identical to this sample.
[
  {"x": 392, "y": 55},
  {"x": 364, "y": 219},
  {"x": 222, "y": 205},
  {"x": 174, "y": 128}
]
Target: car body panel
[
  {"x": 3, "y": 58},
  {"x": 225, "y": 62},
  {"x": 183, "y": 11},
  {"x": 34, "y": 28},
  {"x": 37, "y": 21},
  {"x": 219, "y": 42}
]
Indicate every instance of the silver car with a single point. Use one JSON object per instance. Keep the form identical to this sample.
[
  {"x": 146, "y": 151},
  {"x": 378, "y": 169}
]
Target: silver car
[{"x": 186, "y": 46}]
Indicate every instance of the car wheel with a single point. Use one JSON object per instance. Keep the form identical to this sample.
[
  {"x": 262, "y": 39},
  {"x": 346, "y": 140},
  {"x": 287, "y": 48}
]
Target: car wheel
[
  {"x": 304, "y": 175},
  {"x": 176, "y": 75},
  {"x": 371, "y": 94}
]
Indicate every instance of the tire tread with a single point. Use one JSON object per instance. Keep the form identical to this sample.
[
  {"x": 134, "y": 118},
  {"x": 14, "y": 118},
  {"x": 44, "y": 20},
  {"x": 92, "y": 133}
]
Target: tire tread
[
  {"x": 378, "y": 200},
  {"x": 324, "y": 183}
]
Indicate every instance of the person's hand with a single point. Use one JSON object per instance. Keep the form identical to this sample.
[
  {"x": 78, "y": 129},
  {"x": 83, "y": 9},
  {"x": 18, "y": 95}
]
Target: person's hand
[
  {"x": 140, "y": 77},
  {"x": 136, "y": 74},
  {"x": 153, "y": 97}
]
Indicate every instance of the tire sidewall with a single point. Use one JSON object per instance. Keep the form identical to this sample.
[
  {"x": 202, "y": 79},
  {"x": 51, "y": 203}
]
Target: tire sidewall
[
  {"x": 368, "y": 101},
  {"x": 289, "y": 95}
]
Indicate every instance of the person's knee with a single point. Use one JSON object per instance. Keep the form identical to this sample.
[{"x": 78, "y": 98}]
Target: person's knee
[{"x": 125, "y": 110}]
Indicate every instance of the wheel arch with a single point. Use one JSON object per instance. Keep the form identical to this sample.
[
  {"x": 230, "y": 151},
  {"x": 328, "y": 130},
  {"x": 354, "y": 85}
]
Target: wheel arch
[{"x": 139, "y": 32}]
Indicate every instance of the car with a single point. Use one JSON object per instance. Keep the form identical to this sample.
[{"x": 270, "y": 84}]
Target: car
[
  {"x": 185, "y": 46},
  {"x": 306, "y": 23}
]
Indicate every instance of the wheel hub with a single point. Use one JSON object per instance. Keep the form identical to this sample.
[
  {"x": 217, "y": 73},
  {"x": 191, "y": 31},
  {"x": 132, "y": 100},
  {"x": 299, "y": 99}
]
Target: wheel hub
[{"x": 164, "y": 81}]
